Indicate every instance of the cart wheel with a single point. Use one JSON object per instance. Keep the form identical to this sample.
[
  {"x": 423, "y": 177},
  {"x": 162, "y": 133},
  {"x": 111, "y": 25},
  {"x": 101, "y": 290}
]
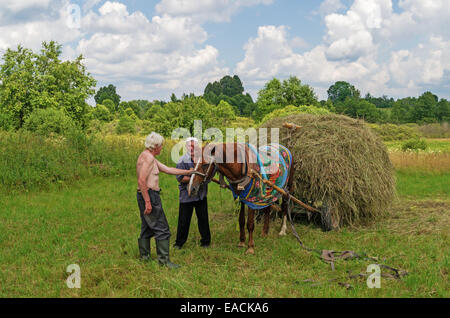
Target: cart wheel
[
  {"x": 325, "y": 217},
  {"x": 328, "y": 217}
]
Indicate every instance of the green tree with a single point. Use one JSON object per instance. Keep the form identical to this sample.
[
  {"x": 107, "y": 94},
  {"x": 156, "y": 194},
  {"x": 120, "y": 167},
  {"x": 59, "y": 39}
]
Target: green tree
[
  {"x": 181, "y": 114},
  {"x": 30, "y": 81},
  {"x": 424, "y": 111},
  {"x": 101, "y": 113},
  {"x": 401, "y": 112},
  {"x": 295, "y": 93},
  {"x": 108, "y": 92},
  {"x": 380, "y": 102},
  {"x": 270, "y": 98},
  {"x": 230, "y": 89},
  {"x": 276, "y": 95},
  {"x": 231, "y": 86},
  {"x": 126, "y": 125},
  {"x": 340, "y": 91},
  {"x": 135, "y": 106},
  {"x": 224, "y": 114},
  {"x": 443, "y": 110},
  {"x": 110, "y": 105},
  {"x": 360, "y": 108}
]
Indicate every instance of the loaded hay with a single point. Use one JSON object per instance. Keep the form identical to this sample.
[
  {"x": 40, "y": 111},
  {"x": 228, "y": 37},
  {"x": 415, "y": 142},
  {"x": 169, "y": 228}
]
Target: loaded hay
[{"x": 340, "y": 167}]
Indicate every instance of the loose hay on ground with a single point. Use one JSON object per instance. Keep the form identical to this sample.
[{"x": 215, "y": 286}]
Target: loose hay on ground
[{"x": 341, "y": 162}]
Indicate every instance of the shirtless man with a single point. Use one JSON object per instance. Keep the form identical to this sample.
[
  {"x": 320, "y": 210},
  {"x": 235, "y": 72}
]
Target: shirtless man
[{"x": 154, "y": 222}]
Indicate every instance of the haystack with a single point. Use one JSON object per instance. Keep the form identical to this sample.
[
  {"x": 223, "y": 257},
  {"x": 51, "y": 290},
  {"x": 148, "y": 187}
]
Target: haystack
[{"x": 340, "y": 167}]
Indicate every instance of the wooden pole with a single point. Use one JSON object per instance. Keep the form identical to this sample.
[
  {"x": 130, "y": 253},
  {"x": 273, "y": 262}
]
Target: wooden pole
[{"x": 305, "y": 206}]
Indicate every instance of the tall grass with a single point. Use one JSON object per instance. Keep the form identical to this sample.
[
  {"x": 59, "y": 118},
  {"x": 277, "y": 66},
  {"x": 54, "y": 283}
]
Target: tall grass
[
  {"x": 29, "y": 161},
  {"x": 434, "y": 162}
]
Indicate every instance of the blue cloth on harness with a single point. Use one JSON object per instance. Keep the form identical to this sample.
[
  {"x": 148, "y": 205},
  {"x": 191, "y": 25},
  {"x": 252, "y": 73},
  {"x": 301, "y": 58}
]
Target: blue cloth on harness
[{"x": 275, "y": 168}]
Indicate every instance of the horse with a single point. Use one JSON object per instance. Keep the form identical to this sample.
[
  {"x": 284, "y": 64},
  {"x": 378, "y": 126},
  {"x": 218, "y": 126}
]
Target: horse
[{"x": 239, "y": 170}]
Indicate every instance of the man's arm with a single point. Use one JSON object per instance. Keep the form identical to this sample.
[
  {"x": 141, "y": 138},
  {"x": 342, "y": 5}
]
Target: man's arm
[
  {"x": 181, "y": 178},
  {"x": 143, "y": 174},
  {"x": 173, "y": 171},
  {"x": 185, "y": 179}
]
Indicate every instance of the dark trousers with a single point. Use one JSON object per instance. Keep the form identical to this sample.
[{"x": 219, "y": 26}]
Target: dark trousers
[
  {"x": 184, "y": 221},
  {"x": 154, "y": 224}
]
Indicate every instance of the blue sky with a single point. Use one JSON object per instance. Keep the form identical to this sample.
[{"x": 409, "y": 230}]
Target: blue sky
[{"x": 149, "y": 49}]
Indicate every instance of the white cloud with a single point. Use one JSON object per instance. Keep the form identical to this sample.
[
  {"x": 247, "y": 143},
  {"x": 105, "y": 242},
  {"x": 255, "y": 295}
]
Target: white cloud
[
  {"x": 16, "y": 6},
  {"x": 330, "y": 6},
  {"x": 52, "y": 25},
  {"x": 369, "y": 45},
  {"x": 206, "y": 10},
  {"x": 164, "y": 53},
  {"x": 89, "y": 4}
]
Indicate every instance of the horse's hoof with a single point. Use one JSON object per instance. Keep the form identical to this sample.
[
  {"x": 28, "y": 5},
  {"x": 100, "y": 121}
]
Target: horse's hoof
[
  {"x": 282, "y": 233},
  {"x": 250, "y": 251},
  {"x": 264, "y": 234},
  {"x": 241, "y": 244}
]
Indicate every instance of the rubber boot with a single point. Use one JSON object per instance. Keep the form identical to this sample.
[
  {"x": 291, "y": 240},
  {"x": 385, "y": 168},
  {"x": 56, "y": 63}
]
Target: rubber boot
[
  {"x": 144, "y": 249},
  {"x": 162, "y": 249}
]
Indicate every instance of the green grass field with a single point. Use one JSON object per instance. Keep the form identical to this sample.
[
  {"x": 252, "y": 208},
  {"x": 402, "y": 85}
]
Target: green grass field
[
  {"x": 74, "y": 202},
  {"x": 95, "y": 223}
]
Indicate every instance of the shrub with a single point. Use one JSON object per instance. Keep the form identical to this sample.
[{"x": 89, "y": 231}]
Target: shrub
[
  {"x": 126, "y": 125},
  {"x": 102, "y": 113},
  {"x": 48, "y": 121},
  {"x": 414, "y": 144}
]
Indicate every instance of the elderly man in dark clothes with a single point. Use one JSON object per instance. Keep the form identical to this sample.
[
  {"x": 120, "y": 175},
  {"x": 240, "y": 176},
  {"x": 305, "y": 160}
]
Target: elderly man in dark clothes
[{"x": 187, "y": 204}]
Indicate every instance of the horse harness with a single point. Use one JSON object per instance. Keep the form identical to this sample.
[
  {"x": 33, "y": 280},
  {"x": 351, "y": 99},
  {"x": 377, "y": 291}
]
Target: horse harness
[{"x": 240, "y": 183}]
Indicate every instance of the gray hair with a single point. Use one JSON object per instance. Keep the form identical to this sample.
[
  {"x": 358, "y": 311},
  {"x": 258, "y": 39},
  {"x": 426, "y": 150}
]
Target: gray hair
[
  {"x": 153, "y": 141},
  {"x": 193, "y": 139}
]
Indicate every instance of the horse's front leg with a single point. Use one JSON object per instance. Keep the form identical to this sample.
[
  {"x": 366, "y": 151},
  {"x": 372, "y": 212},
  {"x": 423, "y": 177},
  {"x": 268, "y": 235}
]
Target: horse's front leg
[
  {"x": 242, "y": 226},
  {"x": 250, "y": 228}
]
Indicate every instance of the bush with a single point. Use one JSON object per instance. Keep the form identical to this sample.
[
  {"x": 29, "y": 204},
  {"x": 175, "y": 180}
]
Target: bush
[
  {"x": 102, "y": 113},
  {"x": 126, "y": 125},
  {"x": 5, "y": 121},
  {"x": 414, "y": 144},
  {"x": 47, "y": 121}
]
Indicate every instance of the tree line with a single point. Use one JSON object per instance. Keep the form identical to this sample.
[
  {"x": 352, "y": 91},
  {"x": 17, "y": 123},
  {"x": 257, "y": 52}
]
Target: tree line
[{"x": 40, "y": 92}]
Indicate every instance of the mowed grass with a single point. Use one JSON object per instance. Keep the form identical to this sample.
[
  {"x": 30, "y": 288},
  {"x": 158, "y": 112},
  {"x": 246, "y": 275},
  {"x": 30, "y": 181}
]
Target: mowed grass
[{"x": 95, "y": 223}]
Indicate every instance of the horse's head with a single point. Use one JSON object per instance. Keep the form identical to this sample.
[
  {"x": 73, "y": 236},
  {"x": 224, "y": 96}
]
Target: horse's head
[{"x": 204, "y": 170}]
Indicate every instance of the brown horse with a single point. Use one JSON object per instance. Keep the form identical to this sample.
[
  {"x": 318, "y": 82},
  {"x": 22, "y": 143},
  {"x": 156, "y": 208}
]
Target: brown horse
[{"x": 237, "y": 169}]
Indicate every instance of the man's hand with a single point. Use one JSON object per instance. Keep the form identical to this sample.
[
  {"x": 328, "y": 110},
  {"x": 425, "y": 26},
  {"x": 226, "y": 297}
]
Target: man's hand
[
  {"x": 191, "y": 171},
  {"x": 148, "y": 208}
]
